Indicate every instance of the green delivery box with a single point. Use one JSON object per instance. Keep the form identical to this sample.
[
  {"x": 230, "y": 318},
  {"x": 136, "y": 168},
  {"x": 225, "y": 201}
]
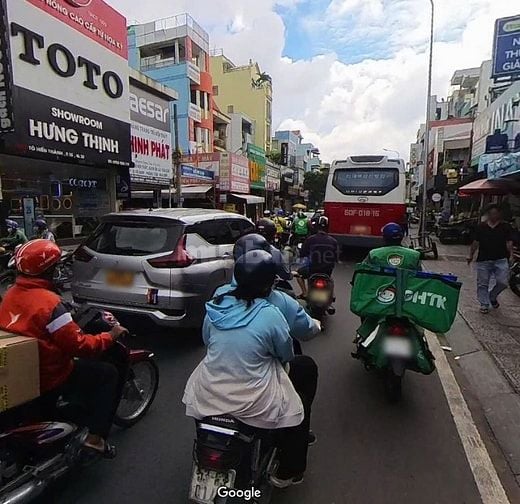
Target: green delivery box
[{"x": 427, "y": 299}]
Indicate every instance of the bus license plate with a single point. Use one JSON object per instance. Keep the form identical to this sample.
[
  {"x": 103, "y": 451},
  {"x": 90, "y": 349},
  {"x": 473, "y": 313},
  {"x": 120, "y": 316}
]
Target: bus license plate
[
  {"x": 205, "y": 483},
  {"x": 360, "y": 230}
]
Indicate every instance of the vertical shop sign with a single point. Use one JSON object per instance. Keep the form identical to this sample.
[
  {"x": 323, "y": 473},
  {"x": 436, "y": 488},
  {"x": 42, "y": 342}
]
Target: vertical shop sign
[{"x": 6, "y": 85}]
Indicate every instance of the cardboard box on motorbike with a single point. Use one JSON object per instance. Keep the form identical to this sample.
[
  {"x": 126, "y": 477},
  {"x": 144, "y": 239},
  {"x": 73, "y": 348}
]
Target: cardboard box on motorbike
[
  {"x": 19, "y": 370},
  {"x": 429, "y": 300}
]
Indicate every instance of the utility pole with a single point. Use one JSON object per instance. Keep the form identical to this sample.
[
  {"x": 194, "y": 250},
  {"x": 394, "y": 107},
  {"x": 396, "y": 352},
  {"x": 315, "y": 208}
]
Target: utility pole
[
  {"x": 177, "y": 159},
  {"x": 422, "y": 234}
]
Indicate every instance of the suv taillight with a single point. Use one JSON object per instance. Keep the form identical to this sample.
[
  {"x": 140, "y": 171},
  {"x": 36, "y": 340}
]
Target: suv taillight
[
  {"x": 82, "y": 255},
  {"x": 179, "y": 258}
]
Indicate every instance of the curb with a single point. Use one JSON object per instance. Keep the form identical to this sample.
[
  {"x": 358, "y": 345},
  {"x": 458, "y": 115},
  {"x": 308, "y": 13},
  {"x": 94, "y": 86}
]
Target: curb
[{"x": 497, "y": 396}]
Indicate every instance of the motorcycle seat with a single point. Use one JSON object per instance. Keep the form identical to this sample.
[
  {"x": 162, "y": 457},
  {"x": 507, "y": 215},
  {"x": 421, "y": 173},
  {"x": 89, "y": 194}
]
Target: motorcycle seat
[{"x": 229, "y": 423}]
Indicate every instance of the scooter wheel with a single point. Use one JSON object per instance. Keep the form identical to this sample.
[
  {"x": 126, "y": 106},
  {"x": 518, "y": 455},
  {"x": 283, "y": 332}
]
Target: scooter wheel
[
  {"x": 138, "y": 393},
  {"x": 393, "y": 386}
]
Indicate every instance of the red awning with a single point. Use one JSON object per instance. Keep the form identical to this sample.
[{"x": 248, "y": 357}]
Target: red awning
[{"x": 491, "y": 187}]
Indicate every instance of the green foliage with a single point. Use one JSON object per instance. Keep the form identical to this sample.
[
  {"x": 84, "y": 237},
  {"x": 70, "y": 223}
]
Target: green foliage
[{"x": 316, "y": 182}]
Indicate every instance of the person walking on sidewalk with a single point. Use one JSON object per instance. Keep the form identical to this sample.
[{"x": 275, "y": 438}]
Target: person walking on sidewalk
[{"x": 493, "y": 239}]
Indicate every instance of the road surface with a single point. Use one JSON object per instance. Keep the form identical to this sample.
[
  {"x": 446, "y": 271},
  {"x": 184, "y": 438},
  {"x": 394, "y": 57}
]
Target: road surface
[{"x": 368, "y": 451}]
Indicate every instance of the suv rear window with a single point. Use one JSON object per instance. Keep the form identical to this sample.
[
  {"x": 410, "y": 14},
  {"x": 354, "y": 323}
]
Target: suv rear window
[{"x": 135, "y": 238}]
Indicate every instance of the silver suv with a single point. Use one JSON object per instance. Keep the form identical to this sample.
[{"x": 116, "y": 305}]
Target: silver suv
[{"x": 161, "y": 264}]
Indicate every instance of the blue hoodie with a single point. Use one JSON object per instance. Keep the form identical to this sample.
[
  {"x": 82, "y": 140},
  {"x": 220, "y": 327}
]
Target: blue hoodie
[
  {"x": 242, "y": 374},
  {"x": 301, "y": 326}
]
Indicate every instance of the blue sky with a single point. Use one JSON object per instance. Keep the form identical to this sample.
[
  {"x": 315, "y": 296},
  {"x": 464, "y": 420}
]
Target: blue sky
[{"x": 350, "y": 74}]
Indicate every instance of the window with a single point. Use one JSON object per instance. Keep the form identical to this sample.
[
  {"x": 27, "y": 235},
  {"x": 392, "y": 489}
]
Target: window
[
  {"x": 214, "y": 232},
  {"x": 240, "y": 227},
  {"x": 221, "y": 231},
  {"x": 135, "y": 238},
  {"x": 215, "y": 90},
  {"x": 366, "y": 181}
]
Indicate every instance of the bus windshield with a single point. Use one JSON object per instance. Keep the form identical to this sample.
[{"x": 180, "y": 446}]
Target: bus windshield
[{"x": 368, "y": 181}]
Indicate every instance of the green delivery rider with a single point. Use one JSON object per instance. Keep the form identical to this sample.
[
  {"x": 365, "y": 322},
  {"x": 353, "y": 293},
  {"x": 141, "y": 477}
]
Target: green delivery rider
[{"x": 393, "y": 254}]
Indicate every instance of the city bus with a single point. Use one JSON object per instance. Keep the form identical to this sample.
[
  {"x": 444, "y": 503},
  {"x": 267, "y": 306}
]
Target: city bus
[{"x": 363, "y": 194}]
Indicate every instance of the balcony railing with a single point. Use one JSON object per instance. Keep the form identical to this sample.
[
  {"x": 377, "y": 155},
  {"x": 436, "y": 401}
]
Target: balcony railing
[{"x": 220, "y": 142}]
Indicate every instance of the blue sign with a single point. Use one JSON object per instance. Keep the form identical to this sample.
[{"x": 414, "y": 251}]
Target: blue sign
[
  {"x": 199, "y": 173},
  {"x": 506, "y": 48}
]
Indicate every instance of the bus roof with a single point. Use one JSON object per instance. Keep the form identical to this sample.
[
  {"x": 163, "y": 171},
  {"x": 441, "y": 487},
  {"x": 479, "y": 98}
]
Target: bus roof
[{"x": 369, "y": 160}]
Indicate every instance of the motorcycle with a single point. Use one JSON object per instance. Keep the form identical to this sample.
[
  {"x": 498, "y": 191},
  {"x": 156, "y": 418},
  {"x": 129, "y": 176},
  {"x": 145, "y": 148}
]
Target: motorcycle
[
  {"x": 35, "y": 452},
  {"x": 514, "y": 272},
  {"x": 390, "y": 347},
  {"x": 7, "y": 270},
  {"x": 62, "y": 275},
  {"x": 320, "y": 296},
  {"x": 232, "y": 460}
]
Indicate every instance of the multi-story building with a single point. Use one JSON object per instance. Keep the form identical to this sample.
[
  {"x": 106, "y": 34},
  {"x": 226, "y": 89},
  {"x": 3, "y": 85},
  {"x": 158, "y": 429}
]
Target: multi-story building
[
  {"x": 175, "y": 52},
  {"x": 308, "y": 157},
  {"x": 241, "y": 133},
  {"x": 244, "y": 89}
]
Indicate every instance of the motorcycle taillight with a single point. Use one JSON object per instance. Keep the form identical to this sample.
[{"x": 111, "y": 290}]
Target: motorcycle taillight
[
  {"x": 397, "y": 330},
  {"x": 216, "y": 459},
  {"x": 320, "y": 283}
]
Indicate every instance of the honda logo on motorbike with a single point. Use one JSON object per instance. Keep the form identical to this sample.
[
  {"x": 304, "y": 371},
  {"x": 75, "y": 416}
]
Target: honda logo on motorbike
[{"x": 79, "y": 3}]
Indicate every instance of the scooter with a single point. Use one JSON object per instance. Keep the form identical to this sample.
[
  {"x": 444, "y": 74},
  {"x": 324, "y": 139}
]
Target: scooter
[
  {"x": 320, "y": 296},
  {"x": 62, "y": 275},
  {"x": 232, "y": 460},
  {"x": 35, "y": 452},
  {"x": 390, "y": 347}
]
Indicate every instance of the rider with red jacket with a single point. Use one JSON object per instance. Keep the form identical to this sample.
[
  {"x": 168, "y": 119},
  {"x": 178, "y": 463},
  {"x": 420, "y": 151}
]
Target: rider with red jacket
[{"x": 32, "y": 308}]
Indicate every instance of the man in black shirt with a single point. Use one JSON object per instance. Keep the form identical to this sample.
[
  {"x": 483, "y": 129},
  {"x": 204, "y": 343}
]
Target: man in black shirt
[
  {"x": 493, "y": 239},
  {"x": 320, "y": 254}
]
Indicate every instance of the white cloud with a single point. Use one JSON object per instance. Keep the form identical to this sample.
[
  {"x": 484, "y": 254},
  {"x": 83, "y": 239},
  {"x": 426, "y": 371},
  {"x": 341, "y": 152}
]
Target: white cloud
[{"x": 347, "y": 108}]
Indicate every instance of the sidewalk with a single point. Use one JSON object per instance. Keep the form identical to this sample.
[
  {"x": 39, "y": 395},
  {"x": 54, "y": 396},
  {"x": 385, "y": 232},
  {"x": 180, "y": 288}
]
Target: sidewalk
[
  {"x": 487, "y": 350},
  {"x": 499, "y": 331}
]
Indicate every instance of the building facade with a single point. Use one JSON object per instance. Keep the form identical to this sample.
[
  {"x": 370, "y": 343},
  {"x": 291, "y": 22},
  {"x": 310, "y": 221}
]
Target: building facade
[
  {"x": 174, "y": 52},
  {"x": 66, "y": 154},
  {"x": 247, "y": 90}
]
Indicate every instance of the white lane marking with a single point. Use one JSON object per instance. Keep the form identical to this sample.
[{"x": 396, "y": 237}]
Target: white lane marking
[{"x": 484, "y": 472}]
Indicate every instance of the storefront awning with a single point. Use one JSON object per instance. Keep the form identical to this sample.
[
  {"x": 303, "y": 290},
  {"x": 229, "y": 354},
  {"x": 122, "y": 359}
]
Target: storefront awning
[
  {"x": 195, "y": 191},
  {"x": 249, "y": 198},
  {"x": 486, "y": 186}
]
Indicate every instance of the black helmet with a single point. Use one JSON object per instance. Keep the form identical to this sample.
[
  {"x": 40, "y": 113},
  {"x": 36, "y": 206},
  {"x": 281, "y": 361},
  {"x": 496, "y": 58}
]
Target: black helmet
[
  {"x": 250, "y": 242},
  {"x": 323, "y": 223},
  {"x": 393, "y": 233},
  {"x": 255, "y": 271},
  {"x": 266, "y": 228}
]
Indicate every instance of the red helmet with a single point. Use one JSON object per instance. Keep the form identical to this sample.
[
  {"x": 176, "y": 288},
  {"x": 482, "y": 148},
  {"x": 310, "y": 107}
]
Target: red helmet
[{"x": 36, "y": 257}]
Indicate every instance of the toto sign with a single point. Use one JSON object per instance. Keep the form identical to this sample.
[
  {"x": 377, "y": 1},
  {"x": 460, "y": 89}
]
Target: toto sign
[
  {"x": 70, "y": 82},
  {"x": 79, "y": 3}
]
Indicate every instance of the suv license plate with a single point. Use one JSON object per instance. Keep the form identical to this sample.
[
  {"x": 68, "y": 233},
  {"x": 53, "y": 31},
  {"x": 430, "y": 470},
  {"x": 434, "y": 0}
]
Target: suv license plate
[
  {"x": 119, "y": 278},
  {"x": 205, "y": 483},
  {"x": 398, "y": 347}
]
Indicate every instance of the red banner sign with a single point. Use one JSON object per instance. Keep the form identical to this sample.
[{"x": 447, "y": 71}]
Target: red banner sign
[{"x": 93, "y": 18}]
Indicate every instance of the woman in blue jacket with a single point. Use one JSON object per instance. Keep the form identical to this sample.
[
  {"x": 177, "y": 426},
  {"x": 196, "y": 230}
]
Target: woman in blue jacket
[{"x": 244, "y": 371}]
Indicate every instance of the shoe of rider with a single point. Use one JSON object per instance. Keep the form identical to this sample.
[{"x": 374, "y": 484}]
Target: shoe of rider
[
  {"x": 32, "y": 308},
  {"x": 393, "y": 254}
]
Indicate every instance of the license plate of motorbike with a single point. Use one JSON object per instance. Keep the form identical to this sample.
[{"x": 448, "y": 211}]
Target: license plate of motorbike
[
  {"x": 318, "y": 296},
  {"x": 398, "y": 347},
  {"x": 119, "y": 278},
  {"x": 205, "y": 483}
]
